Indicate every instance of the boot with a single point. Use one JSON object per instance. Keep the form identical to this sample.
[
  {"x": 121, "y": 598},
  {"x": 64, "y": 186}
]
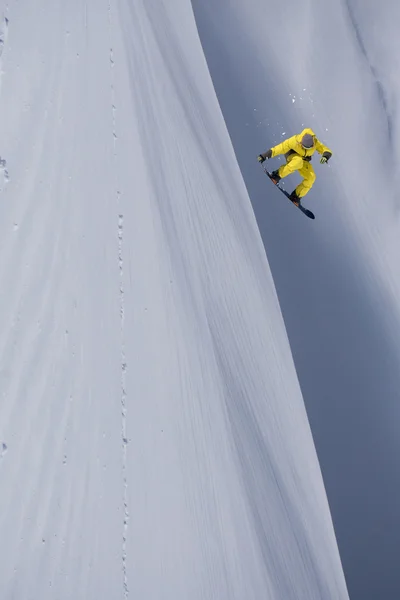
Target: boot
[
  {"x": 275, "y": 177},
  {"x": 295, "y": 198}
]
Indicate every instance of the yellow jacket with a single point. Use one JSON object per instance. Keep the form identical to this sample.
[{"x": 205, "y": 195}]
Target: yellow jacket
[{"x": 293, "y": 144}]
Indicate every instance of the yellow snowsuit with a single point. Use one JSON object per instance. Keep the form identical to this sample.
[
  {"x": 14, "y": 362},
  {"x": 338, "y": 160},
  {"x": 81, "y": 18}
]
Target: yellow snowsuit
[{"x": 297, "y": 159}]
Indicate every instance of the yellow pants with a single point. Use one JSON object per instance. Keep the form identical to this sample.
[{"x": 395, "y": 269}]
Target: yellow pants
[{"x": 294, "y": 162}]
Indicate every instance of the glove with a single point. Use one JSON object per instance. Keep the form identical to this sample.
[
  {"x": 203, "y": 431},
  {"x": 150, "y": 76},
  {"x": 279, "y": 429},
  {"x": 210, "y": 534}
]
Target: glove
[
  {"x": 262, "y": 157},
  {"x": 325, "y": 157}
]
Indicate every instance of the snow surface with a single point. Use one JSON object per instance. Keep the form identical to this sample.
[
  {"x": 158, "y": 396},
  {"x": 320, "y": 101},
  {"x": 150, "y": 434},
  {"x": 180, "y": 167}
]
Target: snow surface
[{"x": 154, "y": 441}]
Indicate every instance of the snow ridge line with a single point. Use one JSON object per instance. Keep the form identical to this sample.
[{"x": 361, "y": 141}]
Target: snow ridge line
[
  {"x": 381, "y": 92},
  {"x": 124, "y": 438}
]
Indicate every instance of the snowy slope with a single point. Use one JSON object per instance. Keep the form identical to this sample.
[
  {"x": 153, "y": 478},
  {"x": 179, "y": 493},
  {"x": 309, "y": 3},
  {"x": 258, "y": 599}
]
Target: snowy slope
[
  {"x": 278, "y": 67},
  {"x": 155, "y": 441}
]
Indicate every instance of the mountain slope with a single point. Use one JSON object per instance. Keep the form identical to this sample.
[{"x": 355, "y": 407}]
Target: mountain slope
[{"x": 157, "y": 442}]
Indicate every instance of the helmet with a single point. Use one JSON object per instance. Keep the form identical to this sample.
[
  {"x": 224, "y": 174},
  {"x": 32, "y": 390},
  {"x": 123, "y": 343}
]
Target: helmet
[{"x": 307, "y": 141}]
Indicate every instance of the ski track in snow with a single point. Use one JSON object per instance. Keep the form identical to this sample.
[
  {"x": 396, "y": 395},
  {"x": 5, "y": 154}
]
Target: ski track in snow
[
  {"x": 124, "y": 436},
  {"x": 134, "y": 283}
]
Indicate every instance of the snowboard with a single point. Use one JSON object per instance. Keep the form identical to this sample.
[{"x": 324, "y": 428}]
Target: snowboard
[{"x": 305, "y": 211}]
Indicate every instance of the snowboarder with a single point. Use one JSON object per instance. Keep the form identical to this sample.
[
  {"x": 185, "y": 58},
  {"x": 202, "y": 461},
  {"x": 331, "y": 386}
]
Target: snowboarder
[{"x": 298, "y": 151}]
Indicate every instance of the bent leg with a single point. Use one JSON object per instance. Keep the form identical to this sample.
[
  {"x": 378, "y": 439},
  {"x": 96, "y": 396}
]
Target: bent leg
[
  {"x": 294, "y": 163},
  {"x": 308, "y": 174}
]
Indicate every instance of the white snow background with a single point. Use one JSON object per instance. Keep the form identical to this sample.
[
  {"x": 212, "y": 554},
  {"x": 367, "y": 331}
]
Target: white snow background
[{"x": 154, "y": 440}]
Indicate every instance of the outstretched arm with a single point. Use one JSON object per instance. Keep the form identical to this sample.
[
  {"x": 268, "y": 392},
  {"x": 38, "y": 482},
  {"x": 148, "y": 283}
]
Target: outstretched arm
[
  {"x": 322, "y": 149},
  {"x": 281, "y": 148},
  {"x": 285, "y": 146}
]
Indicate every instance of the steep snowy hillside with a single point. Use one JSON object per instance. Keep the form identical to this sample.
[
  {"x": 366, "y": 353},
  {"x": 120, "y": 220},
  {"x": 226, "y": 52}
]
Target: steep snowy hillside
[
  {"x": 154, "y": 438},
  {"x": 278, "y": 67}
]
